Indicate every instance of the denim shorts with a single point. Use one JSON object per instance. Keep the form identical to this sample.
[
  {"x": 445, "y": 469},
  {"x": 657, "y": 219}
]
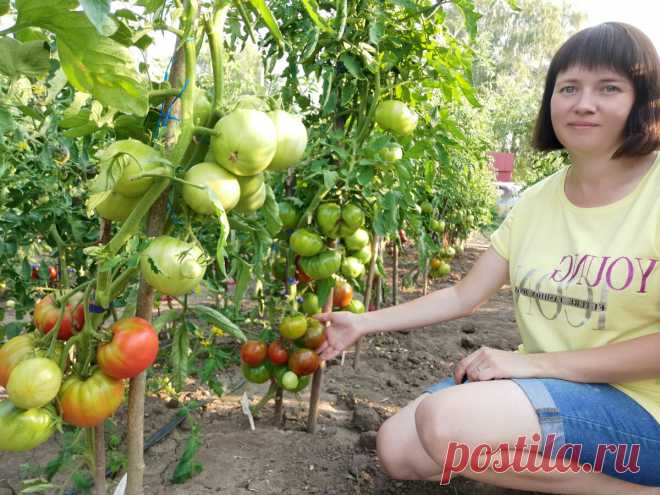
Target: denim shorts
[{"x": 589, "y": 415}]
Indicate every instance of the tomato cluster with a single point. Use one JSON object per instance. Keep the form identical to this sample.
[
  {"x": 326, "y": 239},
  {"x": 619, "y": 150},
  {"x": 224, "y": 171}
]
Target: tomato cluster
[{"x": 33, "y": 381}]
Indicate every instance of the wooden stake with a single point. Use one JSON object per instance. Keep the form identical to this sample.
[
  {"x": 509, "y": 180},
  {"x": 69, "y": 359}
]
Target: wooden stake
[
  {"x": 395, "y": 275},
  {"x": 317, "y": 381},
  {"x": 375, "y": 248}
]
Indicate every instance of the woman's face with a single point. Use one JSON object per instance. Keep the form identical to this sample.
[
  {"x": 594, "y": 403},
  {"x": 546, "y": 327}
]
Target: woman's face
[{"x": 589, "y": 109}]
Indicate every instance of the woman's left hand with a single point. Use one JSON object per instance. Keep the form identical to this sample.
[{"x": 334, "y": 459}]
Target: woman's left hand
[{"x": 488, "y": 364}]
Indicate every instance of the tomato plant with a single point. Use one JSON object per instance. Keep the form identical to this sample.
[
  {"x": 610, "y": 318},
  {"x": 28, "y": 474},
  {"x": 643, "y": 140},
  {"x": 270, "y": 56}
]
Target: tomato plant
[{"x": 343, "y": 294}]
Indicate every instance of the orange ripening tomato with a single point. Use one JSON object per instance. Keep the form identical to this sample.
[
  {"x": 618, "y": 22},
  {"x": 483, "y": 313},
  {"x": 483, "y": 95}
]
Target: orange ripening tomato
[{"x": 87, "y": 403}]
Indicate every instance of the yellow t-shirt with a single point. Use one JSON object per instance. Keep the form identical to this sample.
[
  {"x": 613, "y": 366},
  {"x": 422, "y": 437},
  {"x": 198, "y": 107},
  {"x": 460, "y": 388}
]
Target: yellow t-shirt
[{"x": 586, "y": 277}]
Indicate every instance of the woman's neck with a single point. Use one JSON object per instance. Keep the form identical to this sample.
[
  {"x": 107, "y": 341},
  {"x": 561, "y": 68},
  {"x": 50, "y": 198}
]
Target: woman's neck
[{"x": 596, "y": 179}]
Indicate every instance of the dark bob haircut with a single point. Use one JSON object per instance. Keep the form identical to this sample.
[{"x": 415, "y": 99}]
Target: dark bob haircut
[{"x": 623, "y": 49}]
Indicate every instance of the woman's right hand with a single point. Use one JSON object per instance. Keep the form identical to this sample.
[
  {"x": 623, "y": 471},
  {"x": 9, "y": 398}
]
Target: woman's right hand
[{"x": 343, "y": 329}]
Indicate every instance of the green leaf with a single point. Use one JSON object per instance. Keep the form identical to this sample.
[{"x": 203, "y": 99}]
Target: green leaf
[
  {"x": 272, "y": 213},
  {"x": 188, "y": 466},
  {"x": 243, "y": 275},
  {"x": 98, "y": 12},
  {"x": 471, "y": 16},
  {"x": 167, "y": 317},
  {"x": 329, "y": 179},
  {"x": 4, "y": 7},
  {"x": 216, "y": 318},
  {"x": 312, "y": 9},
  {"x": 323, "y": 288},
  {"x": 28, "y": 59},
  {"x": 151, "y": 6},
  {"x": 92, "y": 63},
  {"x": 376, "y": 30},
  {"x": 352, "y": 64},
  {"x": 267, "y": 16}
]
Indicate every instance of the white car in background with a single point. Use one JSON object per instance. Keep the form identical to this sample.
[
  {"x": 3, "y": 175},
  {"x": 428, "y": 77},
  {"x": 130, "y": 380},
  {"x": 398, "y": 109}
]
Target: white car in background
[{"x": 508, "y": 194}]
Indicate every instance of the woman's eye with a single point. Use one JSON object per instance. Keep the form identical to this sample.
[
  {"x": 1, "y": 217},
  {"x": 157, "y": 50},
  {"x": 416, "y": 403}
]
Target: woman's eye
[
  {"x": 610, "y": 88},
  {"x": 567, "y": 89}
]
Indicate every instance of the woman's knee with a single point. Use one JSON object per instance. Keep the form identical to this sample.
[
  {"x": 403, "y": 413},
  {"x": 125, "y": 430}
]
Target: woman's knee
[
  {"x": 435, "y": 423},
  {"x": 389, "y": 449}
]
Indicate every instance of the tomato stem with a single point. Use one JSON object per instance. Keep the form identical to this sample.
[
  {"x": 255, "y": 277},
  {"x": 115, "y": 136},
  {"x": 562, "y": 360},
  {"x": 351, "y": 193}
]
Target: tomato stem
[
  {"x": 215, "y": 34},
  {"x": 270, "y": 394},
  {"x": 64, "y": 274}
]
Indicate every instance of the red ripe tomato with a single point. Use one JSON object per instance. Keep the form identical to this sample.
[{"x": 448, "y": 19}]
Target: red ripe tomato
[
  {"x": 87, "y": 403},
  {"x": 304, "y": 362},
  {"x": 52, "y": 273},
  {"x": 277, "y": 353},
  {"x": 253, "y": 352},
  {"x": 35, "y": 273},
  {"x": 46, "y": 312},
  {"x": 343, "y": 294},
  {"x": 133, "y": 348}
]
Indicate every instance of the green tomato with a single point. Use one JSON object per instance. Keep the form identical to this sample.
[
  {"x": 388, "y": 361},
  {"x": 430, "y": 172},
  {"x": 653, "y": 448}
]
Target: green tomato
[
  {"x": 34, "y": 382},
  {"x": 363, "y": 254},
  {"x": 223, "y": 184},
  {"x": 395, "y": 116},
  {"x": 251, "y": 203},
  {"x": 322, "y": 265},
  {"x": 22, "y": 430},
  {"x": 289, "y": 215},
  {"x": 303, "y": 381},
  {"x": 202, "y": 108},
  {"x": 355, "y": 306},
  {"x": 310, "y": 304},
  {"x": 246, "y": 142},
  {"x": 351, "y": 267},
  {"x": 437, "y": 225},
  {"x": 357, "y": 240},
  {"x": 448, "y": 252},
  {"x": 305, "y": 242},
  {"x": 427, "y": 208},
  {"x": 251, "y": 184},
  {"x": 116, "y": 207},
  {"x": 293, "y": 327},
  {"x": 391, "y": 153},
  {"x": 179, "y": 264},
  {"x": 127, "y": 159},
  {"x": 289, "y": 380},
  {"x": 353, "y": 216},
  {"x": 327, "y": 217},
  {"x": 256, "y": 374},
  {"x": 291, "y": 140}
]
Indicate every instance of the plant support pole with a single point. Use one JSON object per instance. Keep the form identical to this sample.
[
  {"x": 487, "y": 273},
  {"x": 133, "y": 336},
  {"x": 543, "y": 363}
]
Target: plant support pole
[
  {"x": 183, "y": 70},
  {"x": 367, "y": 293},
  {"x": 317, "y": 380}
]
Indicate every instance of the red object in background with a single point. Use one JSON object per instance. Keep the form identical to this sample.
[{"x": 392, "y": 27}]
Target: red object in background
[{"x": 503, "y": 164}]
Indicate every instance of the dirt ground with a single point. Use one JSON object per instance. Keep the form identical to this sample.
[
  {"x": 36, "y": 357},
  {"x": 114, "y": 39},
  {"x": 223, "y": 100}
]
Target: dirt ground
[{"x": 340, "y": 458}]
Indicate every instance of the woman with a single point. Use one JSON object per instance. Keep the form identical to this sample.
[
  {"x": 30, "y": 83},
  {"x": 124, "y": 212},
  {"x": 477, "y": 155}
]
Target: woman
[{"x": 581, "y": 251}]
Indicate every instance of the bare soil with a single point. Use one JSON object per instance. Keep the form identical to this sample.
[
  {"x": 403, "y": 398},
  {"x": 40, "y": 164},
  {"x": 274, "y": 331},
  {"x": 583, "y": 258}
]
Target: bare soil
[{"x": 340, "y": 458}]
